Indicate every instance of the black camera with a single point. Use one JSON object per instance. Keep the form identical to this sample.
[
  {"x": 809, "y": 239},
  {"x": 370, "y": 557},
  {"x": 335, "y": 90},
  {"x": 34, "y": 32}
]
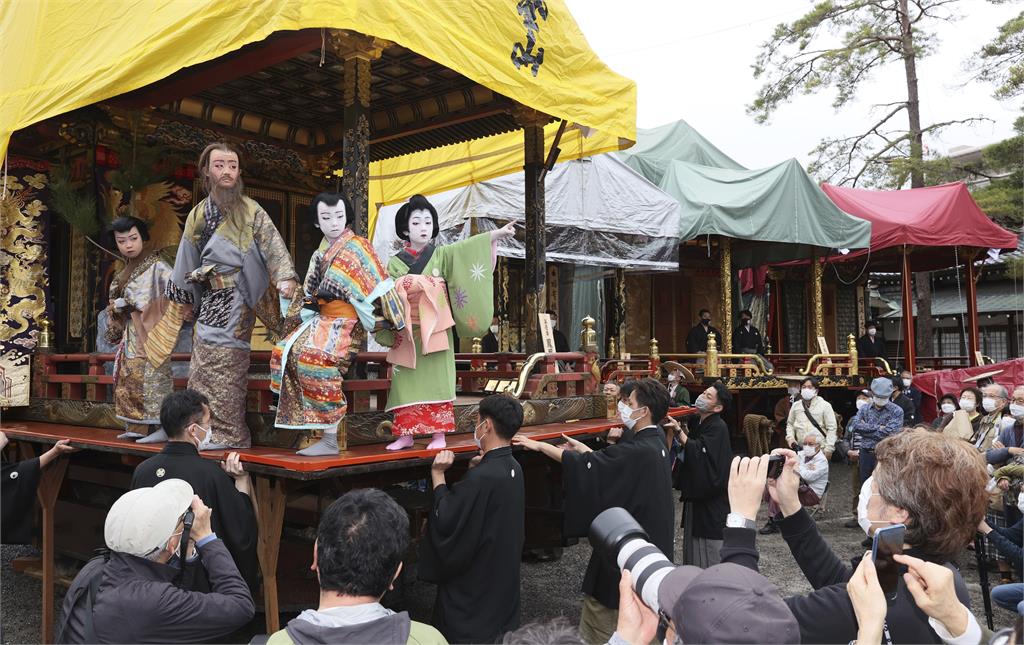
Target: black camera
[{"x": 615, "y": 533}]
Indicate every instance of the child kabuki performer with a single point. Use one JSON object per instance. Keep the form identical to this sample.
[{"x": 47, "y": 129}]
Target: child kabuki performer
[
  {"x": 144, "y": 325},
  {"x": 440, "y": 287},
  {"x": 347, "y": 294}
]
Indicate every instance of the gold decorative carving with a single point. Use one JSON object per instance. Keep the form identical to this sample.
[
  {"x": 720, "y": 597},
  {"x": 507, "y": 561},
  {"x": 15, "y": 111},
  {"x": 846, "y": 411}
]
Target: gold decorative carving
[
  {"x": 817, "y": 299},
  {"x": 654, "y": 349},
  {"x": 351, "y": 44},
  {"x": 851, "y": 348},
  {"x": 23, "y": 256},
  {"x": 711, "y": 357},
  {"x": 613, "y": 348},
  {"x": 356, "y": 83},
  {"x": 527, "y": 116},
  {"x": 588, "y": 336},
  {"x": 725, "y": 273},
  {"x": 478, "y": 347}
]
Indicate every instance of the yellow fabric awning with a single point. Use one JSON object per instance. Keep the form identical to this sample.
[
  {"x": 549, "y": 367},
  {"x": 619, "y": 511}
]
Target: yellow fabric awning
[{"x": 60, "y": 55}]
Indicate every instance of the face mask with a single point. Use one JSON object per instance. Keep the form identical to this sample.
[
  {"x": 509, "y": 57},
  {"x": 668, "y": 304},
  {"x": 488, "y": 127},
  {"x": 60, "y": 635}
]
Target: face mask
[
  {"x": 880, "y": 401},
  {"x": 476, "y": 440},
  {"x": 207, "y": 434},
  {"x": 967, "y": 405},
  {"x": 989, "y": 404},
  {"x": 626, "y": 415},
  {"x": 809, "y": 451},
  {"x": 1020, "y": 502},
  {"x": 706, "y": 321},
  {"x": 808, "y": 393},
  {"x": 1016, "y": 410},
  {"x": 907, "y": 382},
  {"x": 862, "y": 507},
  {"x": 672, "y": 378},
  {"x": 746, "y": 322},
  {"x": 703, "y": 404},
  {"x": 494, "y": 329},
  {"x": 861, "y": 403},
  {"x": 948, "y": 408}
]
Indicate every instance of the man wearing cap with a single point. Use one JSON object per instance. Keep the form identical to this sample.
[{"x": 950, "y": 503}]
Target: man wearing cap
[
  {"x": 133, "y": 595},
  {"x": 875, "y": 422},
  {"x": 871, "y": 344},
  {"x": 185, "y": 416}
]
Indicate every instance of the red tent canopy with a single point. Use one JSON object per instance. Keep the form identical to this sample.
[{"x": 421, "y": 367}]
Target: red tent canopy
[{"x": 934, "y": 220}]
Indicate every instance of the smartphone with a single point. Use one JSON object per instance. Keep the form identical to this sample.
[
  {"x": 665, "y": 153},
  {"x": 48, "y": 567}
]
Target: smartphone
[
  {"x": 887, "y": 543},
  {"x": 775, "y": 465}
]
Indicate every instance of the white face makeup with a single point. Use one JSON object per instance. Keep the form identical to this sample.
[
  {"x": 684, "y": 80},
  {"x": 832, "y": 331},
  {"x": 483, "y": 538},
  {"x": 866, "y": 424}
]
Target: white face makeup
[
  {"x": 421, "y": 228},
  {"x": 331, "y": 220},
  {"x": 130, "y": 243},
  {"x": 223, "y": 168}
]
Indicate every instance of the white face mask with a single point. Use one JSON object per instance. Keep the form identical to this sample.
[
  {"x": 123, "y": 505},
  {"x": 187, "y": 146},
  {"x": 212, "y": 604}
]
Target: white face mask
[
  {"x": 967, "y": 405},
  {"x": 862, "y": 507},
  {"x": 907, "y": 382},
  {"x": 880, "y": 401},
  {"x": 207, "y": 434},
  {"x": 1016, "y": 410},
  {"x": 948, "y": 408},
  {"x": 809, "y": 451},
  {"x": 672, "y": 378},
  {"x": 808, "y": 393},
  {"x": 494, "y": 329},
  {"x": 1020, "y": 502},
  {"x": 989, "y": 404},
  {"x": 861, "y": 404},
  {"x": 626, "y": 415},
  {"x": 872, "y": 332},
  {"x": 476, "y": 440}
]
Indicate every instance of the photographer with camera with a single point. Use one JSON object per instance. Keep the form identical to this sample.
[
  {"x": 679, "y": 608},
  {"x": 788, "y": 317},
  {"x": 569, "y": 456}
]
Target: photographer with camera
[
  {"x": 932, "y": 484},
  {"x": 632, "y": 474},
  {"x": 132, "y": 594}
]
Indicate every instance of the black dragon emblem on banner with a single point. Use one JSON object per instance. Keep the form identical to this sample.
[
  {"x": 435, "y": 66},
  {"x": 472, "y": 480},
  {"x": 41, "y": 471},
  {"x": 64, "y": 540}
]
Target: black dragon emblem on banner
[{"x": 525, "y": 55}]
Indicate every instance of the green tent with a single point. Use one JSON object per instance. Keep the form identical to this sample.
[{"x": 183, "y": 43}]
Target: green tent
[{"x": 779, "y": 207}]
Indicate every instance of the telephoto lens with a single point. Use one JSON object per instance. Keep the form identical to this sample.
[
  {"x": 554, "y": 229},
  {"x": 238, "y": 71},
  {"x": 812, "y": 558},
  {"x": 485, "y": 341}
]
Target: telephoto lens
[{"x": 619, "y": 536}]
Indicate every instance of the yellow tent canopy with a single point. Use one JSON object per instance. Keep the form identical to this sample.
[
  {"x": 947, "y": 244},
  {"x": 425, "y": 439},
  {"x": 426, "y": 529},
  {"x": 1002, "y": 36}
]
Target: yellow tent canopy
[{"x": 62, "y": 55}]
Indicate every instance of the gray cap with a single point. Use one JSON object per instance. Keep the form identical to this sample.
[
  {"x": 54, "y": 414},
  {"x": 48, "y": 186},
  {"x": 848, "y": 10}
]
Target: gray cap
[
  {"x": 726, "y": 603},
  {"x": 882, "y": 386}
]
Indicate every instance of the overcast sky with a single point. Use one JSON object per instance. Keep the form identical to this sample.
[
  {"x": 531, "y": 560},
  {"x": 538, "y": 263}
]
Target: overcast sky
[{"x": 692, "y": 60}]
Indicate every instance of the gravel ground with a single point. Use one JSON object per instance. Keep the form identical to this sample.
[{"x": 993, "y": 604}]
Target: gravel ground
[{"x": 550, "y": 589}]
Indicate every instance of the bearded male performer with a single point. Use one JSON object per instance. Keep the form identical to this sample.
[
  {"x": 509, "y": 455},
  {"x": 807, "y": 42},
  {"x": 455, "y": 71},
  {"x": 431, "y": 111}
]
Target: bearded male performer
[{"x": 230, "y": 257}]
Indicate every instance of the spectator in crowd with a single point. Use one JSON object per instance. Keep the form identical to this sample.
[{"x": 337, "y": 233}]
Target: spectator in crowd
[
  {"x": 863, "y": 400},
  {"x": 226, "y": 487},
  {"x": 900, "y": 398},
  {"x": 18, "y": 491},
  {"x": 874, "y": 423},
  {"x": 911, "y": 392},
  {"x": 871, "y": 344},
  {"x": 357, "y": 557},
  {"x": 947, "y": 406},
  {"x": 746, "y": 339},
  {"x": 994, "y": 398},
  {"x": 475, "y": 532},
  {"x": 931, "y": 483},
  {"x": 933, "y": 589},
  {"x": 702, "y": 475},
  {"x": 558, "y": 631},
  {"x": 561, "y": 342},
  {"x": 632, "y": 474},
  {"x": 489, "y": 343},
  {"x": 1008, "y": 542},
  {"x": 697, "y": 339},
  {"x": 678, "y": 395},
  {"x": 965, "y": 423},
  {"x": 812, "y": 467},
  {"x": 131, "y": 596},
  {"x": 1010, "y": 443},
  {"x": 812, "y": 414}
]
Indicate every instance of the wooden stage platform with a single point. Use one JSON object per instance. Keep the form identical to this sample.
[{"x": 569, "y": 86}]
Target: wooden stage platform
[{"x": 75, "y": 493}]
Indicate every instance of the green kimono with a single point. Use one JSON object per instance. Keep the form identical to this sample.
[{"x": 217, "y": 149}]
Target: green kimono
[{"x": 457, "y": 282}]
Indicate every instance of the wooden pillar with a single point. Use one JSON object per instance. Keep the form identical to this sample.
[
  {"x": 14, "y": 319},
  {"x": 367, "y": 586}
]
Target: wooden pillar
[
  {"x": 534, "y": 274},
  {"x": 50, "y": 481},
  {"x": 356, "y": 52},
  {"x": 907, "y": 322},
  {"x": 725, "y": 271},
  {"x": 817, "y": 300},
  {"x": 973, "y": 332},
  {"x": 270, "y": 500},
  {"x": 778, "y": 331}
]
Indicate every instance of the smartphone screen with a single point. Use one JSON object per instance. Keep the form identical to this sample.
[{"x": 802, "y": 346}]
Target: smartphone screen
[
  {"x": 887, "y": 543},
  {"x": 775, "y": 465}
]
